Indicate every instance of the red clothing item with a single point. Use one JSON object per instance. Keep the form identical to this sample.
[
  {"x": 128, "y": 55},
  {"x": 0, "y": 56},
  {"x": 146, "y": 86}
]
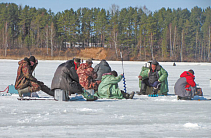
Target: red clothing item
[
  {"x": 189, "y": 78},
  {"x": 75, "y": 66}
]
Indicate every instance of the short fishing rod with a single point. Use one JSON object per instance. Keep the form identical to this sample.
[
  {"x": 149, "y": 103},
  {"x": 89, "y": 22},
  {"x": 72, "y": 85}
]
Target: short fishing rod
[{"x": 124, "y": 82}]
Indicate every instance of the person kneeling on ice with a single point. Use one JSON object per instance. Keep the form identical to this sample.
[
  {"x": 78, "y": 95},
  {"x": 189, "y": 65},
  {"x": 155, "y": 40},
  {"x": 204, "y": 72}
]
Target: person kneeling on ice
[
  {"x": 109, "y": 89},
  {"x": 155, "y": 77},
  {"x": 25, "y": 81},
  {"x": 185, "y": 87},
  {"x": 66, "y": 82}
]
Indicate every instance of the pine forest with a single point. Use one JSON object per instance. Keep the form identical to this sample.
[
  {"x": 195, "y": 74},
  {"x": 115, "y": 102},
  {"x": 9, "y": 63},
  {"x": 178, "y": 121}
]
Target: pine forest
[{"x": 165, "y": 35}]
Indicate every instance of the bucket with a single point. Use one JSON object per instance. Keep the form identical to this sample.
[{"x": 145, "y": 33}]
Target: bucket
[{"x": 61, "y": 95}]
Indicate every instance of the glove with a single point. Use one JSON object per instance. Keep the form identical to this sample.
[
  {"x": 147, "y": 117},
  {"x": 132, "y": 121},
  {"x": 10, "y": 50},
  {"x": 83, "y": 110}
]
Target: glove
[{"x": 140, "y": 77}]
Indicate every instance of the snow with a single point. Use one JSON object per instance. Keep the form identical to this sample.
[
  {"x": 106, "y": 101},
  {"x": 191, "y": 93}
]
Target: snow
[{"x": 142, "y": 116}]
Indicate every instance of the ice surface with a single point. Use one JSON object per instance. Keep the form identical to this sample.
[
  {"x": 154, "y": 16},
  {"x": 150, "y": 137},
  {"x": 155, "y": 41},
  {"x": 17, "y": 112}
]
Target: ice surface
[{"x": 140, "y": 117}]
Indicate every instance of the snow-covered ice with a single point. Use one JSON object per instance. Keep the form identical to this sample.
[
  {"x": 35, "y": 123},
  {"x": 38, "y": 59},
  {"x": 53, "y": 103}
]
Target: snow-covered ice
[{"x": 140, "y": 117}]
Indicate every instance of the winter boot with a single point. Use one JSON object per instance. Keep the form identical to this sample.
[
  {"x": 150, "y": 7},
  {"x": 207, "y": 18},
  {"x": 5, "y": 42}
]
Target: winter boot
[
  {"x": 125, "y": 95},
  {"x": 142, "y": 92},
  {"x": 154, "y": 90},
  {"x": 88, "y": 96},
  {"x": 143, "y": 89},
  {"x": 131, "y": 95},
  {"x": 183, "y": 98},
  {"x": 22, "y": 91}
]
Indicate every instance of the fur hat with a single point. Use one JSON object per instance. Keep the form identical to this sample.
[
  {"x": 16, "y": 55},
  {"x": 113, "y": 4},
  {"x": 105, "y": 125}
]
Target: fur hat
[
  {"x": 77, "y": 60},
  {"x": 32, "y": 58},
  {"x": 154, "y": 62},
  {"x": 27, "y": 60}
]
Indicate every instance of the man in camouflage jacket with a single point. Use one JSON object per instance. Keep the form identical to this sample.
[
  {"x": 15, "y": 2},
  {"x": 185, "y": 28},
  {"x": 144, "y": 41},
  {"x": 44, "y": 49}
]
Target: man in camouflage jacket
[
  {"x": 25, "y": 81},
  {"x": 87, "y": 75}
]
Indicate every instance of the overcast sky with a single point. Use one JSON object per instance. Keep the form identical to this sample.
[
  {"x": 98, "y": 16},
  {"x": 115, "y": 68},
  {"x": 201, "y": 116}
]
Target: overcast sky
[{"x": 152, "y": 5}]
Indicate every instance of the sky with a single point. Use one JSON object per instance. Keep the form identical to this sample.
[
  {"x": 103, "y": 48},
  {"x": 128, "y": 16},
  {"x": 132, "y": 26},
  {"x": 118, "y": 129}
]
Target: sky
[{"x": 152, "y": 5}]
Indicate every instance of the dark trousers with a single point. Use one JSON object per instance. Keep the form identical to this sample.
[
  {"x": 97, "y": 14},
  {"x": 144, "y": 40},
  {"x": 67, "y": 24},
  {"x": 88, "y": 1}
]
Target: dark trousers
[
  {"x": 75, "y": 88},
  {"x": 145, "y": 83}
]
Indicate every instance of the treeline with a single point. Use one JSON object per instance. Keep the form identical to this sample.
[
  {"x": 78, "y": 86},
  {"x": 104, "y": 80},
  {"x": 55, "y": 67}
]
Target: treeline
[{"x": 167, "y": 34}]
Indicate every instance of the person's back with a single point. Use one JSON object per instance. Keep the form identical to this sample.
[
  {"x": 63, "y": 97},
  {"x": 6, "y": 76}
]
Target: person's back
[
  {"x": 108, "y": 87},
  {"x": 101, "y": 68},
  {"x": 185, "y": 85},
  {"x": 24, "y": 74},
  {"x": 64, "y": 76},
  {"x": 179, "y": 87},
  {"x": 66, "y": 82}
]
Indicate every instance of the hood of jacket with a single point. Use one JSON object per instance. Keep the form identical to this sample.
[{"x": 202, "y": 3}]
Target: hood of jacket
[
  {"x": 70, "y": 63},
  {"x": 104, "y": 63},
  {"x": 105, "y": 75},
  {"x": 23, "y": 61},
  {"x": 187, "y": 74}
]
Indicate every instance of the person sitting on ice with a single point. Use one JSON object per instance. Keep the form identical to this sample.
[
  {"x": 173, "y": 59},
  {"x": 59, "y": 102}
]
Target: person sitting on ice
[
  {"x": 101, "y": 68},
  {"x": 185, "y": 87},
  {"x": 66, "y": 82},
  {"x": 87, "y": 76},
  {"x": 25, "y": 81},
  {"x": 109, "y": 89},
  {"x": 155, "y": 77}
]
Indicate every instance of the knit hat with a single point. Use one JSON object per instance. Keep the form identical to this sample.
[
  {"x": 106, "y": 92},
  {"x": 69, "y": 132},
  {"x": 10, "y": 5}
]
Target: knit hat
[
  {"x": 32, "y": 58},
  {"x": 191, "y": 71},
  {"x": 114, "y": 73},
  {"x": 89, "y": 61}
]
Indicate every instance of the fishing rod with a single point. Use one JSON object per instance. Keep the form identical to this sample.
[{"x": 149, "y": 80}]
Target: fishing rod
[{"x": 124, "y": 82}]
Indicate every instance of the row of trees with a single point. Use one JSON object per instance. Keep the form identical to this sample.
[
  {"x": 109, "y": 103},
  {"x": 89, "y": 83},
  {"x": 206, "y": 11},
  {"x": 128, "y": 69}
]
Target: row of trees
[{"x": 175, "y": 34}]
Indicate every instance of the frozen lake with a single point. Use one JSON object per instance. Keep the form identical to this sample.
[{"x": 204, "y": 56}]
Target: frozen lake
[{"x": 140, "y": 117}]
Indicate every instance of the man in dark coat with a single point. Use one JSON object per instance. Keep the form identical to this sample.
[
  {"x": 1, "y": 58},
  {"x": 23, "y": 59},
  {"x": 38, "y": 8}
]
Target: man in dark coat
[
  {"x": 185, "y": 87},
  {"x": 25, "y": 81},
  {"x": 101, "y": 68},
  {"x": 66, "y": 78}
]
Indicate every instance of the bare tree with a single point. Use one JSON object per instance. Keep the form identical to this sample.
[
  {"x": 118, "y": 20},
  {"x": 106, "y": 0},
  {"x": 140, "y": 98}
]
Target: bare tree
[
  {"x": 6, "y": 37},
  {"x": 52, "y": 37},
  {"x": 114, "y": 8},
  {"x": 209, "y": 46},
  {"x": 46, "y": 35},
  {"x": 151, "y": 45},
  {"x": 171, "y": 53},
  {"x": 196, "y": 44},
  {"x": 174, "y": 43},
  {"x": 181, "y": 49},
  {"x": 114, "y": 32}
]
